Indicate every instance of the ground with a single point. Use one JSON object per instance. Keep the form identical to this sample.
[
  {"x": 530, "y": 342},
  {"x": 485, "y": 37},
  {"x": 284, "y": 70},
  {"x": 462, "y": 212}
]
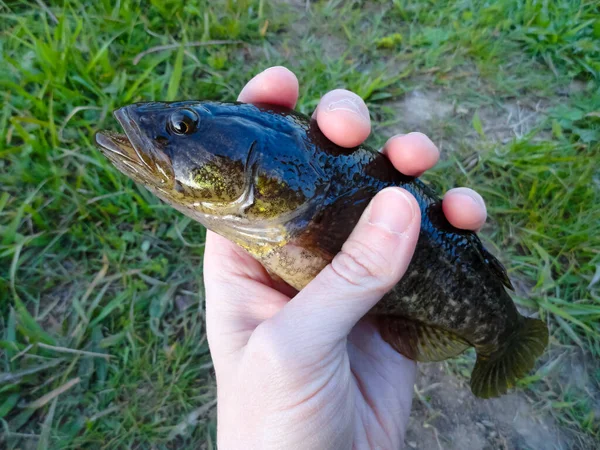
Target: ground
[
  {"x": 102, "y": 342},
  {"x": 447, "y": 416}
]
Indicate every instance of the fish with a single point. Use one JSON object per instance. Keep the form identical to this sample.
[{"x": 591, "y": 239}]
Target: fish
[{"x": 266, "y": 178}]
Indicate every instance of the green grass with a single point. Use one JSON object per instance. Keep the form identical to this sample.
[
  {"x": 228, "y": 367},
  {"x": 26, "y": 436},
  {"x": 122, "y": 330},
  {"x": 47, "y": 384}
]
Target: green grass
[{"x": 90, "y": 262}]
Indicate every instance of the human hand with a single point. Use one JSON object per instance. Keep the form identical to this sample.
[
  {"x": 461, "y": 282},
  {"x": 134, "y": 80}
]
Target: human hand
[{"x": 309, "y": 371}]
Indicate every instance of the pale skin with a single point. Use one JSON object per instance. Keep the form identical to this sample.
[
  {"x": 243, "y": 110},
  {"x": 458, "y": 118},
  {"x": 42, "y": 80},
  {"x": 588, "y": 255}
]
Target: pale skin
[{"x": 307, "y": 370}]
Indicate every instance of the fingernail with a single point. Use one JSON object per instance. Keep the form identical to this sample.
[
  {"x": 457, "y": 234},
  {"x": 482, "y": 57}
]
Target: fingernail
[
  {"x": 474, "y": 199},
  {"x": 274, "y": 67},
  {"x": 393, "y": 210},
  {"x": 342, "y": 100},
  {"x": 474, "y": 196}
]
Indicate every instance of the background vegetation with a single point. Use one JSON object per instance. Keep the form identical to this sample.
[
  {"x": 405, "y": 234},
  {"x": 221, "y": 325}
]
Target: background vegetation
[{"x": 102, "y": 341}]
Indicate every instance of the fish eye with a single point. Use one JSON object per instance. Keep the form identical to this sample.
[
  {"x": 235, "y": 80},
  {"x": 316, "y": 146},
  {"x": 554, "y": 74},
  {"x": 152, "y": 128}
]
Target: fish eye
[{"x": 184, "y": 121}]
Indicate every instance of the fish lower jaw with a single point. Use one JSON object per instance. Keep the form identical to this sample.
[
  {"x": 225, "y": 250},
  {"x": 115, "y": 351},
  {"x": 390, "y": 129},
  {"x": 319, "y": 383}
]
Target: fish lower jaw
[
  {"x": 116, "y": 145},
  {"x": 256, "y": 239}
]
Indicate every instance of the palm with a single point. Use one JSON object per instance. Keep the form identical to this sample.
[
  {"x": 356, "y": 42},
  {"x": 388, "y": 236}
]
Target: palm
[
  {"x": 383, "y": 384},
  {"x": 382, "y": 378}
]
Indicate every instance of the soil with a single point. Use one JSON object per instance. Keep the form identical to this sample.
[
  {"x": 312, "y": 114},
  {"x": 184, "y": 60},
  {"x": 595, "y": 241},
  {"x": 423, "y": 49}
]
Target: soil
[{"x": 446, "y": 416}]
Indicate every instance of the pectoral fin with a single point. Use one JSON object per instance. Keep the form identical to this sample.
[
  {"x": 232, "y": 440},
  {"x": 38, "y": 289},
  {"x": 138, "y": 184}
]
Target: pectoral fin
[{"x": 420, "y": 341}]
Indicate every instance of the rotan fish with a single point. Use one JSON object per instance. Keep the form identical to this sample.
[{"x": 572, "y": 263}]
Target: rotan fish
[{"x": 266, "y": 178}]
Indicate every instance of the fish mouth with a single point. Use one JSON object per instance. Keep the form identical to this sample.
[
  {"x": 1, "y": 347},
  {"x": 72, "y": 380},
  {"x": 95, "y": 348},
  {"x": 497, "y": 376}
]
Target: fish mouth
[
  {"x": 133, "y": 154},
  {"x": 121, "y": 153},
  {"x": 117, "y": 146}
]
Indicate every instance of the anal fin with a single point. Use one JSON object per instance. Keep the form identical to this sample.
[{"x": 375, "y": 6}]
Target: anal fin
[{"x": 420, "y": 341}]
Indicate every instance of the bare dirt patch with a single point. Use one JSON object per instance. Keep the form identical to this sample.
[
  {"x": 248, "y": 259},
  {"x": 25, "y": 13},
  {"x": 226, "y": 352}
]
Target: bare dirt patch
[
  {"x": 419, "y": 109},
  {"x": 447, "y": 416},
  {"x": 434, "y": 113}
]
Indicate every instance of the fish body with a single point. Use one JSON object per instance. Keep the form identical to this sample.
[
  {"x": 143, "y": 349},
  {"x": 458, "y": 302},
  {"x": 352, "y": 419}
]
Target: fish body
[{"x": 267, "y": 178}]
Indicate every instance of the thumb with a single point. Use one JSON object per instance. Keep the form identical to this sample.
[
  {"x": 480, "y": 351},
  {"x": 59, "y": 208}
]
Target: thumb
[{"x": 371, "y": 262}]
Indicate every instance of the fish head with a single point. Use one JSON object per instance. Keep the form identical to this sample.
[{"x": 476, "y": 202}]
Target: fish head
[{"x": 241, "y": 170}]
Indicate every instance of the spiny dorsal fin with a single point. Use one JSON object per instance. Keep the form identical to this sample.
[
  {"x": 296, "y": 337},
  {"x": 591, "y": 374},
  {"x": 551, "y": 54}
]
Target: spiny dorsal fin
[
  {"x": 498, "y": 269},
  {"x": 492, "y": 263},
  {"x": 420, "y": 341}
]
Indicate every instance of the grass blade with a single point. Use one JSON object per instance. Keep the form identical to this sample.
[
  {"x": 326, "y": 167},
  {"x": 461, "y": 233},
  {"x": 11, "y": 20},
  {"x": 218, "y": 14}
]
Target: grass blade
[{"x": 175, "y": 78}]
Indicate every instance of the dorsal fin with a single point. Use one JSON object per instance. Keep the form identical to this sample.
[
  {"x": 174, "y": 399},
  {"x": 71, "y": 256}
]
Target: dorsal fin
[
  {"x": 492, "y": 263},
  {"x": 438, "y": 219},
  {"x": 498, "y": 269}
]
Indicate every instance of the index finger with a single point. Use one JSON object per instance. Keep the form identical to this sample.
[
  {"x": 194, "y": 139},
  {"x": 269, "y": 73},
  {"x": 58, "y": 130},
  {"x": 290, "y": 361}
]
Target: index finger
[{"x": 276, "y": 86}]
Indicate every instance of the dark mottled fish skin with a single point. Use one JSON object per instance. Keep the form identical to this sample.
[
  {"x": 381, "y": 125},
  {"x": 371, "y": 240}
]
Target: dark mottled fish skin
[
  {"x": 277, "y": 168},
  {"x": 448, "y": 283}
]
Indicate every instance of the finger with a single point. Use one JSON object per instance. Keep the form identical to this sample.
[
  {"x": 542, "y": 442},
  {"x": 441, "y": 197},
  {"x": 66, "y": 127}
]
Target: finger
[
  {"x": 343, "y": 117},
  {"x": 464, "y": 208},
  {"x": 412, "y": 153},
  {"x": 371, "y": 262},
  {"x": 276, "y": 86}
]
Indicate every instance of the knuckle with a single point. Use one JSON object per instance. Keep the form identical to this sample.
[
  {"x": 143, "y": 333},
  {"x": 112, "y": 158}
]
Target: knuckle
[{"x": 362, "y": 265}]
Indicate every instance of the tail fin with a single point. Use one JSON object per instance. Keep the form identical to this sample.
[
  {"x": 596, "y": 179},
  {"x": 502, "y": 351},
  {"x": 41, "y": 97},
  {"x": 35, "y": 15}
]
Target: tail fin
[{"x": 496, "y": 373}]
